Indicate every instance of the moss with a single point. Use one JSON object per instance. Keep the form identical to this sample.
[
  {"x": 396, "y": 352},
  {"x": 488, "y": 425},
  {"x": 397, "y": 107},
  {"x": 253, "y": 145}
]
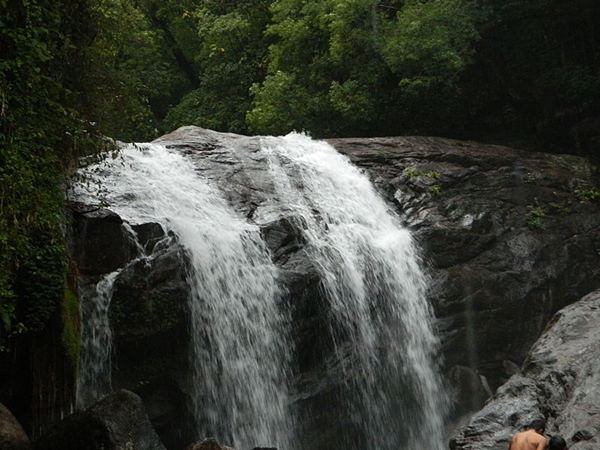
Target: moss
[
  {"x": 557, "y": 208},
  {"x": 139, "y": 309},
  {"x": 71, "y": 326},
  {"x": 587, "y": 195},
  {"x": 435, "y": 190}
]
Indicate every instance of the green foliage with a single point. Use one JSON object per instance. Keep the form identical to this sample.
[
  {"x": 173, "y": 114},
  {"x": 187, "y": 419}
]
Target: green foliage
[
  {"x": 518, "y": 72},
  {"x": 278, "y": 104},
  {"x": 131, "y": 73},
  {"x": 41, "y": 135},
  {"x": 529, "y": 177},
  {"x": 457, "y": 213},
  {"x": 557, "y": 208},
  {"x": 331, "y": 92},
  {"x": 231, "y": 57},
  {"x": 382, "y": 155},
  {"x": 351, "y": 101},
  {"x": 434, "y": 190},
  {"x": 430, "y": 43},
  {"x": 361, "y": 69},
  {"x": 412, "y": 172}
]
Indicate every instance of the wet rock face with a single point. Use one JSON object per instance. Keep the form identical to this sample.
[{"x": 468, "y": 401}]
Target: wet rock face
[
  {"x": 510, "y": 237},
  {"x": 559, "y": 381},
  {"x": 148, "y": 315},
  {"x": 147, "y": 312}
]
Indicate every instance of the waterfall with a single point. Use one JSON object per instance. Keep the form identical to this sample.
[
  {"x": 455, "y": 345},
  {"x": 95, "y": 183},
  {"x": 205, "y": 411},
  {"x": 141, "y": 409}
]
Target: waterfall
[
  {"x": 381, "y": 324},
  {"x": 240, "y": 352},
  {"x": 94, "y": 377}
]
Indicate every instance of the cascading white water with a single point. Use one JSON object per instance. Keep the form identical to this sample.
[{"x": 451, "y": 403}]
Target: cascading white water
[
  {"x": 94, "y": 380},
  {"x": 376, "y": 289},
  {"x": 240, "y": 352},
  {"x": 382, "y": 325}
]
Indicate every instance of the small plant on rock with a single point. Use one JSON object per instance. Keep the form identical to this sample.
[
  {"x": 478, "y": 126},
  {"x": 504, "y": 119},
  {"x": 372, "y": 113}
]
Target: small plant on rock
[
  {"x": 587, "y": 195},
  {"x": 535, "y": 215},
  {"x": 412, "y": 172},
  {"x": 434, "y": 190}
]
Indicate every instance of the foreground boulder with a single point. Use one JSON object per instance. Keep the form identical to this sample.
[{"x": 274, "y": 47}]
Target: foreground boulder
[
  {"x": 117, "y": 422},
  {"x": 12, "y": 435},
  {"x": 559, "y": 381},
  {"x": 207, "y": 444}
]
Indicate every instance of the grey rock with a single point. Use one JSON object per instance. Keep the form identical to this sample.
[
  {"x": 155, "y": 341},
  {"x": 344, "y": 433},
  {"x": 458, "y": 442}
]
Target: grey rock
[
  {"x": 559, "y": 381},
  {"x": 99, "y": 241},
  {"x": 507, "y": 239}
]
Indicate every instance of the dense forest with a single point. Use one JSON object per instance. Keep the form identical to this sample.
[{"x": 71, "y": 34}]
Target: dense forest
[{"x": 520, "y": 72}]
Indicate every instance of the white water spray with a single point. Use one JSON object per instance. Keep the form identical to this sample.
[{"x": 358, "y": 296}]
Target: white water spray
[{"x": 240, "y": 352}]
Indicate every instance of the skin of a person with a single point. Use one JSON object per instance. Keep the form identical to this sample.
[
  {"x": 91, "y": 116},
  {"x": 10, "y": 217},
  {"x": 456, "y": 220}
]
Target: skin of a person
[{"x": 528, "y": 440}]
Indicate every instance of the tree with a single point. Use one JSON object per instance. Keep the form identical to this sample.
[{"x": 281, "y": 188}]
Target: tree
[
  {"x": 322, "y": 70},
  {"x": 363, "y": 66},
  {"x": 428, "y": 47},
  {"x": 535, "y": 82},
  {"x": 230, "y": 56}
]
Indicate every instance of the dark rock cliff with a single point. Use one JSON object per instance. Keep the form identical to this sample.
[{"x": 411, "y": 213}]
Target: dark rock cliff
[{"x": 510, "y": 237}]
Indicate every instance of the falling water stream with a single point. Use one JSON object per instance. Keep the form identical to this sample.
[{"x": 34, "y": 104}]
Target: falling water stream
[
  {"x": 241, "y": 336},
  {"x": 96, "y": 342},
  {"x": 239, "y": 351},
  {"x": 376, "y": 289}
]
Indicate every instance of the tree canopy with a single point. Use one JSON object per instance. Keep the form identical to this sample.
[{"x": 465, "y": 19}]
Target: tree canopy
[{"x": 523, "y": 73}]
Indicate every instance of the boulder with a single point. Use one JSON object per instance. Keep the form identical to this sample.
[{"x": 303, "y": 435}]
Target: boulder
[
  {"x": 470, "y": 390},
  {"x": 12, "y": 435},
  {"x": 98, "y": 239},
  {"x": 148, "y": 314},
  {"x": 559, "y": 381},
  {"x": 116, "y": 422}
]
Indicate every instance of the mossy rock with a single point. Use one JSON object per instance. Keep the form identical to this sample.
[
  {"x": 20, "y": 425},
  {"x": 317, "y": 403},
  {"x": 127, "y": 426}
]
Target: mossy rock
[{"x": 136, "y": 310}]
